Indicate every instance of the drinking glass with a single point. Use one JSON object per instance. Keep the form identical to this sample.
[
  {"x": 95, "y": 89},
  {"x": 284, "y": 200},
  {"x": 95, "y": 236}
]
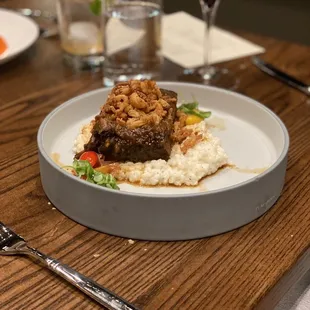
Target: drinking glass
[
  {"x": 132, "y": 40},
  {"x": 81, "y": 34},
  {"x": 208, "y": 74}
]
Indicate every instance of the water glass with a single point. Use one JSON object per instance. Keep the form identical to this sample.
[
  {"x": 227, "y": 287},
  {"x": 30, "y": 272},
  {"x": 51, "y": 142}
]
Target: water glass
[
  {"x": 132, "y": 40},
  {"x": 81, "y": 34}
]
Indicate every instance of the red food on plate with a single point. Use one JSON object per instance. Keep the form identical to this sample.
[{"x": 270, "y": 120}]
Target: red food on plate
[
  {"x": 3, "y": 45},
  {"x": 91, "y": 157}
]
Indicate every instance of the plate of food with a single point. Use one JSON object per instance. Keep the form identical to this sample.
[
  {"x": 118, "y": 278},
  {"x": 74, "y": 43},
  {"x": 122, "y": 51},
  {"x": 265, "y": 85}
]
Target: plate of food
[
  {"x": 162, "y": 161},
  {"x": 17, "y": 33}
]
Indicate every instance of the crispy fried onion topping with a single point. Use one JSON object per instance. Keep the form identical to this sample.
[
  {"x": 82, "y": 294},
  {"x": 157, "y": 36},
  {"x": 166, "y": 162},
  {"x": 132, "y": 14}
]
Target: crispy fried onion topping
[{"x": 136, "y": 103}]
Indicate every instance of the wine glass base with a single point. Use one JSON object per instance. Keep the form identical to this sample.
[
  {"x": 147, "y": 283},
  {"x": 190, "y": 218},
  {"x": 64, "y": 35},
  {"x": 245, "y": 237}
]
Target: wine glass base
[{"x": 217, "y": 77}]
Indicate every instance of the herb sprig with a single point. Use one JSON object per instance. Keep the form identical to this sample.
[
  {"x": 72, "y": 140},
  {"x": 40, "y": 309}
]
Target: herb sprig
[
  {"x": 95, "y": 7},
  {"x": 83, "y": 168},
  {"x": 191, "y": 108}
]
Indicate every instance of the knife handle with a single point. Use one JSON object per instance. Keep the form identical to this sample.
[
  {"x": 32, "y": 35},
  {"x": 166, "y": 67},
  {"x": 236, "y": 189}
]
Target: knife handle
[{"x": 282, "y": 76}]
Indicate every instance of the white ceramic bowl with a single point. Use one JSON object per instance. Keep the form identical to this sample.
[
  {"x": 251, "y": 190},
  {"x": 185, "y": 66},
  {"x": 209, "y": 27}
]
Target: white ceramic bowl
[{"x": 254, "y": 138}]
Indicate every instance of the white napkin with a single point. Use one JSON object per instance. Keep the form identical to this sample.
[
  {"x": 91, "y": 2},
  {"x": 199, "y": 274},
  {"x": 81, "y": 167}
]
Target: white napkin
[{"x": 183, "y": 42}]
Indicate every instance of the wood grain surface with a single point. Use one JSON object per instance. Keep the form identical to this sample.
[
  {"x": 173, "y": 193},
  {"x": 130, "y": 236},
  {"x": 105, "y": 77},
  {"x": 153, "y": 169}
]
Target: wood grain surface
[{"x": 247, "y": 268}]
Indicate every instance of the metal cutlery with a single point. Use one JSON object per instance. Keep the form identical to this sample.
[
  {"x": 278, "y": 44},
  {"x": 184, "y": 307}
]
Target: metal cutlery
[
  {"x": 280, "y": 75},
  {"x": 13, "y": 244}
]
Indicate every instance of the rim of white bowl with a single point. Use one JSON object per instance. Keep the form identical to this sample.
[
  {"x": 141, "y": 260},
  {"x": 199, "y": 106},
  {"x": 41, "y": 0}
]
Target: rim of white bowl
[{"x": 167, "y": 196}]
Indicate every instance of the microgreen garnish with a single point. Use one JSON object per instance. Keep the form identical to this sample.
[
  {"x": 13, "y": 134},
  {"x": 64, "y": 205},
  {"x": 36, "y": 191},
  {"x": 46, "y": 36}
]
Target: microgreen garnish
[
  {"x": 192, "y": 108},
  {"x": 95, "y": 7},
  {"x": 83, "y": 168}
]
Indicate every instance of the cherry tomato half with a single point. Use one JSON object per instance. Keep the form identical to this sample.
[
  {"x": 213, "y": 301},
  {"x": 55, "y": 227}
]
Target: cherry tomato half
[{"x": 91, "y": 157}]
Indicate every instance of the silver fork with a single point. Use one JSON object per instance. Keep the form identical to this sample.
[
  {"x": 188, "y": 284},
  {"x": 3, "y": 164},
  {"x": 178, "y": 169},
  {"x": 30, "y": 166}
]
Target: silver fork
[{"x": 13, "y": 244}]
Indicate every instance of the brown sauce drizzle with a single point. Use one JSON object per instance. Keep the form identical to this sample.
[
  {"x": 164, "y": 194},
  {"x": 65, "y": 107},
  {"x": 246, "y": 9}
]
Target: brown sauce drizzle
[
  {"x": 248, "y": 170},
  {"x": 216, "y": 122},
  {"x": 114, "y": 168},
  {"x": 56, "y": 158},
  {"x": 110, "y": 168}
]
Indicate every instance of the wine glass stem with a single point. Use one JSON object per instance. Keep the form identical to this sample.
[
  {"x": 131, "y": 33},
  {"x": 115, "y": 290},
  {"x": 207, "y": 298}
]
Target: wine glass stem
[{"x": 208, "y": 14}]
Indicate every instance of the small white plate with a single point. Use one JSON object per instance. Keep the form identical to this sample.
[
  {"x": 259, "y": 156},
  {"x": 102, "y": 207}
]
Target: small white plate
[{"x": 19, "y": 33}]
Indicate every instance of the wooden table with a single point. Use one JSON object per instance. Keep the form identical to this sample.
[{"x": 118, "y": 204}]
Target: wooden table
[{"x": 250, "y": 267}]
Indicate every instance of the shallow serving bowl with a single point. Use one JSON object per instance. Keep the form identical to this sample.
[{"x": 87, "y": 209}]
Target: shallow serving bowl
[{"x": 254, "y": 138}]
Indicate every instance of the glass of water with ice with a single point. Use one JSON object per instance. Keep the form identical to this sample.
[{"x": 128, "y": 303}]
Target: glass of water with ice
[
  {"x": 132, "y": 40},
  {"x": 80, "y": 27}
]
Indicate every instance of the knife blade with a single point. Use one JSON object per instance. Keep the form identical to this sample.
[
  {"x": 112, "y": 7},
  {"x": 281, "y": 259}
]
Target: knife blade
[{"x": 280, "y": 75}]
